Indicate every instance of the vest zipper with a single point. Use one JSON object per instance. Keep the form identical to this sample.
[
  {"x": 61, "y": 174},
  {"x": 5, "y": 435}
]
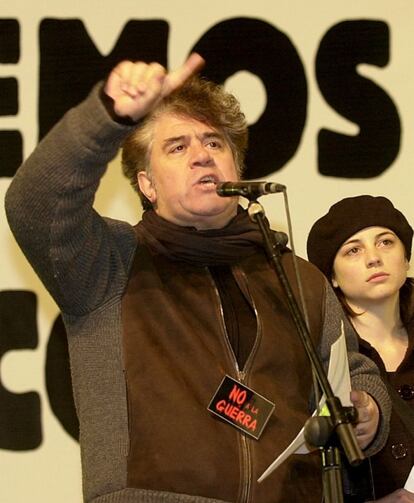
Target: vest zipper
[
  {"x": 245, "y": 465},
  {"x": 242, "y": 275},
  {"x": 246, "y": 441}
]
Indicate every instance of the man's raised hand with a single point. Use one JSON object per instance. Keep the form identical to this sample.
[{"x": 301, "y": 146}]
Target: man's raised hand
[{"x": 137, "y": 87}]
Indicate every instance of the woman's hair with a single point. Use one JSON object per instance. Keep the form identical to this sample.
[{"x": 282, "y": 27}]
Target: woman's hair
[
  {"x": 197, "y": 99},
  {"x": 348, "y": 216},
  {"x": 406, "y": 304}
]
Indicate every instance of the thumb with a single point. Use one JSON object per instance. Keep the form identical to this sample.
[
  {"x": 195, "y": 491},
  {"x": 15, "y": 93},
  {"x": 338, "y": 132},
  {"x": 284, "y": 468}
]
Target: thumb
[{"x": 177, "y": 78}]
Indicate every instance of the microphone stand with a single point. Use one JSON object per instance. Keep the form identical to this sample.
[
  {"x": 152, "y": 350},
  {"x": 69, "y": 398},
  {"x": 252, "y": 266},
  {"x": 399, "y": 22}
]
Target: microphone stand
[{"x": 340, "y": 419}]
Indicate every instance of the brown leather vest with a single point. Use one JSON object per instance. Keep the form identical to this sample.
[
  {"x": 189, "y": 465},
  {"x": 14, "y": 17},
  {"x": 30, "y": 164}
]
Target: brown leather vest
[{"x": 176, "y": 354}]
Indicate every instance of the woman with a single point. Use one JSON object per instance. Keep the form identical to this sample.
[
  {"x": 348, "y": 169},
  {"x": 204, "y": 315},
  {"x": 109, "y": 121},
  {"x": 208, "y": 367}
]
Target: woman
[{"x": 363, "y": 246}]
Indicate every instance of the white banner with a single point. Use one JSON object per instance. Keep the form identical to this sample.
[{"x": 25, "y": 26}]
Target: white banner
[{"x": 327, "y": 88}]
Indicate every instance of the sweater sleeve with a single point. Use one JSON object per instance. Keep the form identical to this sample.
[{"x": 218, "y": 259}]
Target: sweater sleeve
[
  {"x": 81, "y": 257},
  {"x": 364, "y": 373}
]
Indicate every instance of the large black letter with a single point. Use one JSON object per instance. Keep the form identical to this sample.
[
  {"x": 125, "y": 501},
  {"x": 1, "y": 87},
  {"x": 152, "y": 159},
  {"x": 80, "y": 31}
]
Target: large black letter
[
  {"x": 20, "y": 426},
  {"x": 357, "y": 98},
  {"x": 70, "y": 64},
  {"x": 258, "y": 47},
  {"x": 11, "y": 143}
]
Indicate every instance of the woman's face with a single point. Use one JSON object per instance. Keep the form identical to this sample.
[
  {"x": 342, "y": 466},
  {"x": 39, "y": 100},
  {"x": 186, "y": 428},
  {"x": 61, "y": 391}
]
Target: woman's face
[{"x": 370, "y": 266}]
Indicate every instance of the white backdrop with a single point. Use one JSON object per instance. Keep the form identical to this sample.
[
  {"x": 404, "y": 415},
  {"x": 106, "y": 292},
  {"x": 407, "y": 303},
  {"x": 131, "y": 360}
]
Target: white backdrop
[{"x": 52, "y": 471}]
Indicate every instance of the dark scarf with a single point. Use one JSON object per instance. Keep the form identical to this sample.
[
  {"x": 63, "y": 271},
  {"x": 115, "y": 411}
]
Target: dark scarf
[{"x": 239, "y": 238}]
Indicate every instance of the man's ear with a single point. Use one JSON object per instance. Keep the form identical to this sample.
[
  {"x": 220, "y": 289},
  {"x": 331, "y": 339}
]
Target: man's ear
[
  {"x": 146, "y": 186},
  {"x": 407, "y": 264}
]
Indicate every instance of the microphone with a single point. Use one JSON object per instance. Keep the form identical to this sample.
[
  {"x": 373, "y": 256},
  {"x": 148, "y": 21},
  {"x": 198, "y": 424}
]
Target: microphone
[{"x": 251, "y": 190}]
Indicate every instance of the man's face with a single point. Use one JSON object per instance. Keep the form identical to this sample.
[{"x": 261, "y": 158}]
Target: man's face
[{"x": 187, "y": 159}]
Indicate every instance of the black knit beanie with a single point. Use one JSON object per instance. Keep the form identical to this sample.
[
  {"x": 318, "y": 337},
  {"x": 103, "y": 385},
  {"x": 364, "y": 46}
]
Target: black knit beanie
[{"x": 349, "y": 216}]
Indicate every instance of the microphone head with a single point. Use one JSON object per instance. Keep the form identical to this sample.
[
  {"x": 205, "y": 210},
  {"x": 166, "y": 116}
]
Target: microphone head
[
  {"x": 227, "y": 189},
  {"x": 250, "y": 190},
  {"x": 244, "y": 188}
]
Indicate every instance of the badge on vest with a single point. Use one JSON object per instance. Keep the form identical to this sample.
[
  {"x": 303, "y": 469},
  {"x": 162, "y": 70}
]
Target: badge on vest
[{"x": 242, "y": 407}]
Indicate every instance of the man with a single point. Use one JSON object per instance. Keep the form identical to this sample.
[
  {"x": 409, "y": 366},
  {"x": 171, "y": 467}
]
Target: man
[{"x": 158, "y": 314}]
